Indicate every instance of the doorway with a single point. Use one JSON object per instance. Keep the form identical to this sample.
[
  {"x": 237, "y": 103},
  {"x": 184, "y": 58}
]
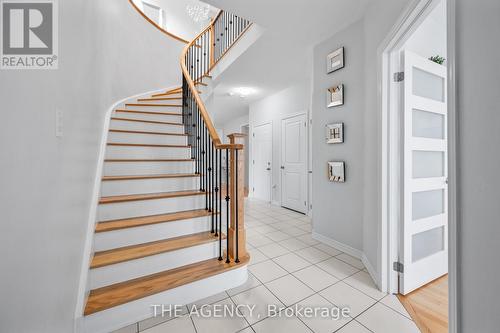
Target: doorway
[
  {"x": 245, "y": 129},
  {"x": 416, "y": 254},
  {"x": 262, "y": 154},
  {"x": 294, "y": 163}
]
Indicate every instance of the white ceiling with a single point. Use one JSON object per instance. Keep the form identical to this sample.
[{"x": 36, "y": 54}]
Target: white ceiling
[{"x": 281, "y": 57}]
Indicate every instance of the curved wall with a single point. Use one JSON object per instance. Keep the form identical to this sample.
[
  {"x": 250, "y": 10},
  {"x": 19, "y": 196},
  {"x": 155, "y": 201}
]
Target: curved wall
[{"x": 107, "y": 52}]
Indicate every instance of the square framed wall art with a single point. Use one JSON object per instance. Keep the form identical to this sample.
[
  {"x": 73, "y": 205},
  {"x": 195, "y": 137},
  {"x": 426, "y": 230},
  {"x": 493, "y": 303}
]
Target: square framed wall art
[
  {"x": 336, "y": 172},
  {"x": 335, "y": 60},
  {"x": 335, "y": 133},
  {"x": 335, "y": 96}
]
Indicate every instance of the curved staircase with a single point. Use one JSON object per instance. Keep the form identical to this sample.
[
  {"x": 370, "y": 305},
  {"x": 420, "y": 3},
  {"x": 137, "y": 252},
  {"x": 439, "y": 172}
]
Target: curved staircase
[{"x": 169, "y": 224}]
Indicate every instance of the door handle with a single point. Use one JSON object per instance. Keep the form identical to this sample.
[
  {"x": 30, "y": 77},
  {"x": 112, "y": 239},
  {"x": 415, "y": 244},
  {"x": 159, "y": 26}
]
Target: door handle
[
  {"x": 282, "y": 167},
  {"x": 268, "y": 169}
]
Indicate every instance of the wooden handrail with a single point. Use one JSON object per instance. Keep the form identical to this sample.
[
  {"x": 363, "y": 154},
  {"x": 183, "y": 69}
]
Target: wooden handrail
[
  {"x": 180, "y": 39},
  {"x": 197, "y": 60},
  {"x": 203, "y": 111},
  {"x": 192, "y": 82},
  {"x": 216, "y": 61}
]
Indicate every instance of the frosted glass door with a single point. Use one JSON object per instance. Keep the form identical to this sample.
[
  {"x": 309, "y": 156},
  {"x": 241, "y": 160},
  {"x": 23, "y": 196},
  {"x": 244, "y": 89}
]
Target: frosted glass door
[{"x": 425, "y": 226}]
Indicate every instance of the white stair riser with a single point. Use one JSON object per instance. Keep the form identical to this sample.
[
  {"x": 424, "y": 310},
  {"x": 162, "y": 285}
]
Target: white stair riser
[
  {"x": 132, "y": 312},
  {"x": 150, "y": 117},
  {"x": 146, "y": 168},
  {"x": 149, "y": 233},
  {"x": 122, "y": 152},
  {"x": 138, "y": 186},
  {"x": 153, "y": 139},
  {"x": 122, "y": 210},
  {"x": 148, "y": 127},
  {"x": 111, "y": 274}
]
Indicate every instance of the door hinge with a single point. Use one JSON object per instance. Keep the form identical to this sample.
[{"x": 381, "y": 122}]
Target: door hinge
[
  {"x": 253, "y": 189},
  {"x": 399, "y": 76},
  {"x": 398, "y": 267},
  {"x": 253, "y": 134},
  {"x": 305, "y": 203}
]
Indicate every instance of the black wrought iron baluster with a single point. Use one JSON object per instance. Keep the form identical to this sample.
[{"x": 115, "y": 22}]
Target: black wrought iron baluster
[
  {"x": 202, "y": 160},
  {"x": 216, "y": 192},
  {"x": 219, "y": 210},
  {"x": 206, "y": 167},
  {"x": 227, "y": 206},
  {"x": 212, "y": 209}
]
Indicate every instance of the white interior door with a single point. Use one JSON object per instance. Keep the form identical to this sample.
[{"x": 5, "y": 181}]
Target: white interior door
[
  {"x": 293, "y": 163},
  {"x": 262, "y": 145},
  {"x": 425, "y": 225}
]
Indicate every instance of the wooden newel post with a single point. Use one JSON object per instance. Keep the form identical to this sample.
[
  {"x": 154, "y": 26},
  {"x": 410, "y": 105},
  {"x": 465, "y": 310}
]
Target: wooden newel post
[{"x": 237, "y": 138}]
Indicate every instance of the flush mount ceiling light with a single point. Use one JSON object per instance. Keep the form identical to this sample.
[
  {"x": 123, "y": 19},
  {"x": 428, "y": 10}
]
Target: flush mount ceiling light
[
  {"x": 242, "y": 92},
  {"x": 198, "y": 13}
]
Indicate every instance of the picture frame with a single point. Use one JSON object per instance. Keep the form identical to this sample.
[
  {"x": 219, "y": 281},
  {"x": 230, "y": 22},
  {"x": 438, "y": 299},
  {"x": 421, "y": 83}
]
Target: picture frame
[
  {"x": 336, "y": 172},
  {"x": 335, "y": 60},
  {"x": 335, "y": 96},
  {"x": 335, "y": 133}
]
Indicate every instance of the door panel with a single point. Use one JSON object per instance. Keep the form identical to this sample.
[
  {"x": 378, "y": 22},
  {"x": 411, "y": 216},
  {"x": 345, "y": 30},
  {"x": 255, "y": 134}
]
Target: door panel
[
  {"x": 424, "y": 249},
  {"x": 261, "y": 162},
  {"x": 293, "y": 160}
]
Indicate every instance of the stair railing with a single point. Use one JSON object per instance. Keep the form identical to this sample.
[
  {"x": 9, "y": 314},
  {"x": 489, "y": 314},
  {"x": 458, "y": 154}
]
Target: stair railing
[{"x": 220, "y": 167}]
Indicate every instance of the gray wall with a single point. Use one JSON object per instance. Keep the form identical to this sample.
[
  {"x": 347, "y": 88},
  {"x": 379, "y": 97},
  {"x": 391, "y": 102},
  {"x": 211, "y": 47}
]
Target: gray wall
[
  {"x": 350, "y": 212},
  {"x": 478, "y": 75},
  {"x": 337, "y": 207},
  {"x": 107, "y": 52}
]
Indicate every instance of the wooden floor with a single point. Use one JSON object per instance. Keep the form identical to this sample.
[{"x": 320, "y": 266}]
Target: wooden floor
[{"x": 428, "y": 306}]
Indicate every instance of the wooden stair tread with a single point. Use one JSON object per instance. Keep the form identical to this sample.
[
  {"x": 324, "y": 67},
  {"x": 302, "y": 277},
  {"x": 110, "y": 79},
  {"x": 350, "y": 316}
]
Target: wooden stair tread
[
  {"x": 150, "y": 112},
  {"x": 148, "y": 220},
  {"x": 146, "y": 145},
  {"x": 152, "y": 104},
  {"x": 170, "y": 93},
  {"x": 200, "y": 83},
  {"x": 115, "y": 256},
  {"x": 148, "y": 160},
  {"x": 147, "y": 121},
  {"x": 136, "y": 177},
  {"x": 149, "y": 196},
  {"x": 158, "y": 99},
  {"x": 124, "y": 292},
  {"x": 146, "y": 132}
]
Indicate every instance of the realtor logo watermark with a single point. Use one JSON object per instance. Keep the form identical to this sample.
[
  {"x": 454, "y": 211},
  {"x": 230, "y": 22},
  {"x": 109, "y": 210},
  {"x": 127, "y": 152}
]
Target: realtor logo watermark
[{"x": 29, "y": 32}]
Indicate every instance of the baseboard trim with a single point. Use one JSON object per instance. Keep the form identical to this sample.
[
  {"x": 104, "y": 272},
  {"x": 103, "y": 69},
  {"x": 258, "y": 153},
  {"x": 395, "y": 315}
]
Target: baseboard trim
[
  {"x": 338, "y": 245},
  {"x": 350, "y": 251},
  {"x": 371, "y": 270}
]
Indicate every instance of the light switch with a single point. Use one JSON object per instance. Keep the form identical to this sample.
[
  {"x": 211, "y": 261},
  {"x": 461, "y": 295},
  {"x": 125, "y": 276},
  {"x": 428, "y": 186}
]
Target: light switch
[{"x": 59, "y": 123}]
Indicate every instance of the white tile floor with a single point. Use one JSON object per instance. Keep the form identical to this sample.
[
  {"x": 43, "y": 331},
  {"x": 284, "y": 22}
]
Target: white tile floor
[{"x": 287, "y": 268}]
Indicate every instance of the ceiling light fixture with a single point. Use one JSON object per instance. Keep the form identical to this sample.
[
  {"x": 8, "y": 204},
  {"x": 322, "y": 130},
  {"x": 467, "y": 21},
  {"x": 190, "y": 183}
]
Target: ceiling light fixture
[
  {"x": 242, "y": 92},
  {"x": 198, "y": 13}
]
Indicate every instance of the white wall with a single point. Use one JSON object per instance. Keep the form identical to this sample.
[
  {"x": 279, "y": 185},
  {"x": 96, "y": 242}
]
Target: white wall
[
  {"x": 430, "y": 37},
  {"x": 478, "y": 74},
  {"x": 273, "y": 109},
  {"x": 177, "y": 20},
  {"x": 234, "y": 125},
  {"x": 107, "y": 52}
]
